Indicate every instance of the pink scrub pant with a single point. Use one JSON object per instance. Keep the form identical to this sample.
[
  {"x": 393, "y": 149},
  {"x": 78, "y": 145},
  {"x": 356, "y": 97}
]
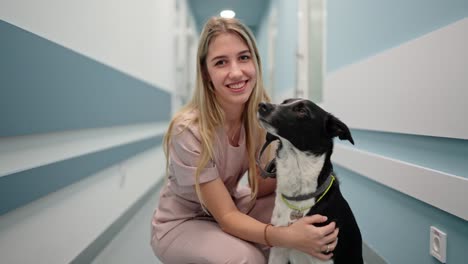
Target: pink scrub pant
[{"x": 203, "y": 241}]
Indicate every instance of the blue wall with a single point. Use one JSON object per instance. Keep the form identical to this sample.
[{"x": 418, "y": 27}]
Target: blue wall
[
  {"x": 362, "y": 28},
  {"x": 48, "y": 88},
  {"x": 286, "y": 46},
  {"x": 442, "y": 154},
  {"x": 395, "y": 225},
  {"x": 285, "y": 60}
]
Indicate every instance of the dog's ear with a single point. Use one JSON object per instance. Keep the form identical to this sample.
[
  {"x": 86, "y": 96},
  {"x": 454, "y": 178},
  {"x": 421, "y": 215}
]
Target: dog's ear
[{"x": 336, "y": 128}]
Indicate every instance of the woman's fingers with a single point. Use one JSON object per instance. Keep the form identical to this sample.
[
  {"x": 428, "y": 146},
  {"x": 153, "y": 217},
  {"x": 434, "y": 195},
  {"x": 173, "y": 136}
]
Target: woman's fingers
[
  {"x": 328, "y": 229},
  {"x": 330, "y": 247},
  {"x": 332, "y": 237},
  {"x": 314, "y": 219},
  {"x": 324, "y": 239},
  {"x": 333, "y": 244}
]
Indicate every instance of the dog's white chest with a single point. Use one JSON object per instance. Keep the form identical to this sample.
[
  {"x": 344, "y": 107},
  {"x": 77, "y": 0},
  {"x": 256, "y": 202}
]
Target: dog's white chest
[
  {"x": 284, "y": 215},
  {"x": 297, "y": 173}
]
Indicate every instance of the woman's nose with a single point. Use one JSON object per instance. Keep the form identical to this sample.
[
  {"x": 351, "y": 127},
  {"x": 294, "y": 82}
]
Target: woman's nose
[{"x": 235, "y": 70}]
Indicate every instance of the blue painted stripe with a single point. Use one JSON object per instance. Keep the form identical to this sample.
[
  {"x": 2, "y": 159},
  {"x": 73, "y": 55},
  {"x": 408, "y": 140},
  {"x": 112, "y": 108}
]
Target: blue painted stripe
[
  {"x": 46, "y": 87},
  {"x": 379, "y": 209},
  {"x": 286, "y": 47},
  {"x": 23, "y": 187},
  {"x": 362, "y": 28},
  {"x": 442, "y": 154}
]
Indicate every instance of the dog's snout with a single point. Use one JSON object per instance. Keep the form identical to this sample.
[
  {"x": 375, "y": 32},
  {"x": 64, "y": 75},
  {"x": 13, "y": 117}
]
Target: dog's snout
[{"x": 264, "y": 107}]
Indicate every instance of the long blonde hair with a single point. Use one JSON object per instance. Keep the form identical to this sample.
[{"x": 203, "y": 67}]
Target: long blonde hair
[{"x": 210, "y": 114}]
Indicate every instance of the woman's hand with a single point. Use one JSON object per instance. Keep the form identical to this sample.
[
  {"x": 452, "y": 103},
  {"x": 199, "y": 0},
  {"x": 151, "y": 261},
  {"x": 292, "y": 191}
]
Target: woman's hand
[{"x": 315, "y": 241}]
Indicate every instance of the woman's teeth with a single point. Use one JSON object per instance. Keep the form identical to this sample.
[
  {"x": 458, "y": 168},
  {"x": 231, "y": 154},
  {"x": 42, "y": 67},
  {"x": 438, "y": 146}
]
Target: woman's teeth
[{"x": 237, "y": 85}]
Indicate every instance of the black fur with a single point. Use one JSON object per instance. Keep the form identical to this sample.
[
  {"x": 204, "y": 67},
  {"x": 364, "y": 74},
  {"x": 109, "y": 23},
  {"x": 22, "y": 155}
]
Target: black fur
[{"x": 311, "y": 129}]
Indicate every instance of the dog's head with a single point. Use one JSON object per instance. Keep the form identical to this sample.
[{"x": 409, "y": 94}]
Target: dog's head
[{"x": 304, "y": 124}]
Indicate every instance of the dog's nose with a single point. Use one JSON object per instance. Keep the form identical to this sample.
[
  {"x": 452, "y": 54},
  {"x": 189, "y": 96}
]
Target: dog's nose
[{"x": 264, "y": 107}]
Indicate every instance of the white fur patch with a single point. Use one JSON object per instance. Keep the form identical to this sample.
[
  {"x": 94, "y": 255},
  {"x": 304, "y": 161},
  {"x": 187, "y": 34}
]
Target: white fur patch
[{"x": 297, "y": 173}]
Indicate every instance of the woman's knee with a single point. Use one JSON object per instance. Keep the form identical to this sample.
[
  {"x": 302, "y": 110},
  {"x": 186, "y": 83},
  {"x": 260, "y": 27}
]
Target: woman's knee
[
  {"x": 198, "y": 241},
  {"x": 245, "y": 254},
  {"x": 229, "y": 254}
]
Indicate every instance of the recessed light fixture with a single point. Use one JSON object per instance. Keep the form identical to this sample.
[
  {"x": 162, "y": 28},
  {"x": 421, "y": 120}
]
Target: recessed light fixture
[{"x": 227, "y": 14}]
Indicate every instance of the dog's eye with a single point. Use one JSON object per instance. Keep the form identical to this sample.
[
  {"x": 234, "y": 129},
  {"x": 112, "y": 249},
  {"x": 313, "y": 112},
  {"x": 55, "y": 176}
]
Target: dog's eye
[{"x": 300, "y": 109}]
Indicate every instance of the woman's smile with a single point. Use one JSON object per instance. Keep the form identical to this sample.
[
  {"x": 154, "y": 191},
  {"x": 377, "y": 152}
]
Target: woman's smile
[{"x": 238, "y": 87}]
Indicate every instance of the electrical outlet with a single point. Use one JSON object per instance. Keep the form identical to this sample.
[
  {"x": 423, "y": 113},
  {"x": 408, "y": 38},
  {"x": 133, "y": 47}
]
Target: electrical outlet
[{"x": 438, "y": 244}]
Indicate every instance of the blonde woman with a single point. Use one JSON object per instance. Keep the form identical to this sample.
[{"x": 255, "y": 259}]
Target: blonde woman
[{"x": 203, "y": 215}]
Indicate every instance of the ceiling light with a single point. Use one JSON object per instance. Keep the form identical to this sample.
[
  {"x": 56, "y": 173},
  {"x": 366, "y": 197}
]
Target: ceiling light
[{"x": 227, "y": 14}]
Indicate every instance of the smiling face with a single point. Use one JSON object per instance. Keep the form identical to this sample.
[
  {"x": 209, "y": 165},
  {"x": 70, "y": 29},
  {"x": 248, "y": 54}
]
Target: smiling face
[{"x": 231, "y": 70}]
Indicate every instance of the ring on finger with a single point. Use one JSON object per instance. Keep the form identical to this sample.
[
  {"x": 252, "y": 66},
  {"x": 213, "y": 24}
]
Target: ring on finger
[{"x": 328, "y": 249}]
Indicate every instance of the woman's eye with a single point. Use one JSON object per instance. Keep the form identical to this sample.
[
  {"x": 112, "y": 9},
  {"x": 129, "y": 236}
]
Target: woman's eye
[
  {"x": 245, "y": 57},
  {"x": 220, "y": 63}
]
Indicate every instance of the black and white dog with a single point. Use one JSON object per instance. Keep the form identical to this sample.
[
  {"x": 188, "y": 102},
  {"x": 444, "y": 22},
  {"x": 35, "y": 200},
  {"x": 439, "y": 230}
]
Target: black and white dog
[{"x": 306, "y": 183}]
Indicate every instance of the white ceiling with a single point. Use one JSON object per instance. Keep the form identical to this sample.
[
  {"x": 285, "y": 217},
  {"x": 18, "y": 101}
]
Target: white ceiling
[{"x": 250, "y": 12}]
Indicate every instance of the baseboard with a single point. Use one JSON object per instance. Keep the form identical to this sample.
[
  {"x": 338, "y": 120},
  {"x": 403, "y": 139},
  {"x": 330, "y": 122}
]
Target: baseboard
[
  {"x": 370, "y": 256},
  {"x": 93, "y": 250}
]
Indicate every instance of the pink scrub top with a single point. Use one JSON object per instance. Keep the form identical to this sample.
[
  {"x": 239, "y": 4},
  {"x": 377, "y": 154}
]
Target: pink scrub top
[{"x": 178, "y": 200}]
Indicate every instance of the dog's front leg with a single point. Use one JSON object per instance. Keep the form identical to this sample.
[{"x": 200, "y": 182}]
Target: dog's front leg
[{"x": 278, "y": 255}]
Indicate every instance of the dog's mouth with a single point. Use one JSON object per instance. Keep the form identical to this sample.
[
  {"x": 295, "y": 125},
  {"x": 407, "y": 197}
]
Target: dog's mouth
[
  {"x": 264, "y": 115},
  {"x": 267, "y": 126},
  {"x": 262, "y": 120}
]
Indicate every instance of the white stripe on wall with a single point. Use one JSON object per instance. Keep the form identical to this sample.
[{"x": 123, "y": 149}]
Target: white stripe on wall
[
  {"x": 59, "y": 226},
  {"x": 418, "y": 88},
  {"x": 442, "y": 190},
  {"x": 26, "y": 152},
  {"x": 93, "y": 28}
]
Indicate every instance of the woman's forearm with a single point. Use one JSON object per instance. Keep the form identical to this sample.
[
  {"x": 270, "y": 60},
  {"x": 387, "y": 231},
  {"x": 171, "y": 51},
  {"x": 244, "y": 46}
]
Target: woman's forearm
[
  {"x": 250, "y": 229},
  {"x": 266, "y": 186}
]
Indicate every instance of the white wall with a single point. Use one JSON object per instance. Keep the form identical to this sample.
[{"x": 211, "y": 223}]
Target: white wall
[
  {"x": 433, "y": 104},
  {"x": 400, "y": 85},
  {"x": 133, "y": 37},
  {"x": 138, "y": 39},
  {"x": 60, "y": 226},
  {"x": 414, "y": 91}
]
